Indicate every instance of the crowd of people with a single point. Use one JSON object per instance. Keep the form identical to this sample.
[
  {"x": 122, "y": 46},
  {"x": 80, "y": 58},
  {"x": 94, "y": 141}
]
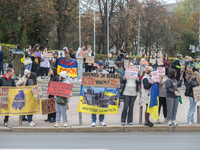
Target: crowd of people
[{"x": 130, "y": 88}]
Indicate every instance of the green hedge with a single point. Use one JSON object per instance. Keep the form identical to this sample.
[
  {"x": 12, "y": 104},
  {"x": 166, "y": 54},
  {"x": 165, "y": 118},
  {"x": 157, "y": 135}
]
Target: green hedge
[{"x": 6, "y": 49}]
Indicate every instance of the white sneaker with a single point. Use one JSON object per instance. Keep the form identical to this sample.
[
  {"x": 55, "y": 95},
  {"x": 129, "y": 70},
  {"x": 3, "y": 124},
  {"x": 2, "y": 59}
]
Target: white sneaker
[
  {"x": 65, "y": 124},
  {"x": 57, "y": 124},
  {"x": 165, "y": 120},
  {"x": 158, "y": 121},
  {"x": 189, "y": 123},
  {"x": 102, "y": 124},
  {"x": 169, "y": 123},
  {"x": 32, "y": 124},
  {"x": 5, "y": 124},
  {"x": 193, "y": 122},
  {"x": 93, "y": 124},
  {"x": 123, "y": 123},
  {"x": 79, "y": 80},
  {"x": 174, "y": 123}
]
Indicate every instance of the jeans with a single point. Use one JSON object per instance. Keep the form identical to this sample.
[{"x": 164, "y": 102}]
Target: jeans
[
  {"x": 80, "y": 70},
  {"x": 190, "y": 117},
  {"x": 94, "y": 118},
  {"x": 44, "y": 71},
  {"x": 1, "y": 70},
  {"x": 28, "y": 67},
  {"x": 61, "y": 110},
  {"x": 30, "y": 118}
]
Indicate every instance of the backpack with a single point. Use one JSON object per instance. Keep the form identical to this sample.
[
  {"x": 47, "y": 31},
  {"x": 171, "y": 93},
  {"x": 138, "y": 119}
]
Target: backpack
[{"x": 173, "y": 65}]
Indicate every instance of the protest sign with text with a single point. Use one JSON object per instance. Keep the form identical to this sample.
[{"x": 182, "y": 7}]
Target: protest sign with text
[
  {"x": 37, "y": 92},
  {"x": 145, "y": 62},
  {"x": 160, "y": 61},
  {"x": 59, "y": 89},
  {"x": 37, "y": 54},
  {"x": 89, "y": 59},
  {"x": 48, "y": 106},
  {"x": 196, "y": 91},
  {"x": 48, "y": 55},
  {"x": 4, "y": 97},
  {"x": 84, "y": 54},
  {"x": 155, "y": 76},
  {"x": 126, "y": 63},
  {"x": 161, "y": 70},
  {"x": 152, "y": 61},
  {"x": 131, "y": 73},
  {"x": 61, "y": 54}
]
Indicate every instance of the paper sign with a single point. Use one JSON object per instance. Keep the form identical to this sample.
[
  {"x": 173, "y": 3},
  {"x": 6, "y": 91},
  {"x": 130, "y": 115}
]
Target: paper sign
[
  {"x": 48, "y": 106},
  {"x": 61, "y": 54},
  {"x": 161, "y": 70},
  {"x": 137, "y": 67},
  {"x": 83, "y": 54},
  {"x": 145, "y": 62},
  {"x": 37, "y": 92},
  {"x": 160, "y": 61},
  {"x": 155, "y": 76},
  {"x": 131, "y": 73},
  {"x": 100, "y": 79},
  {"x": 79, "y": 60},
  {"x": 48, "y": 55},
  {"x": 59, "y": 89},
  {"x": 89, "y": 59},
  {"x": 196, "y": 92},
  {"x": 152, "y": 61},
  {"x": 37, "y": 54},
  {"x": 126, "y": 63},
  {"x": 4, "y": 97}
]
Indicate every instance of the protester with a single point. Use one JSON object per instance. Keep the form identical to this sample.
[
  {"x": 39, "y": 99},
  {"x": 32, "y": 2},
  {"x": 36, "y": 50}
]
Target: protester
[
  {"x": 147, "y": 83},
  {"x": 195, "y": 62},
  {"x": 178, "y": 66},
  {"x": 134, "y": 60},
  {"x": 53, "y": 77},
  {"x": 117, "y": 69},
  {"x": 100, "y": 66},
  {"x": 54, "y": 58},
  {"x": 17, "y": 66},
  {"x": 27, "y": 59},
  {"x": 193, "y": 82},
  {"x": 143, "y": 66},
  {"x": 189, "y": 73},
  {"x": 156, "y": 65},
  {"x": 120, "y": 55},
  {"x": 129, "y": 91},
  {"x": 44, "y": 64},
  {"x": 123, "y": 60},
  {"x": 88, "y": 66},
  {"x": 113, "y": 54},
  {"x": 1, "y": 60},
  {"x": 80, "y": 62},
  {"x": 151, "y": 64},
  {"x": 7, "y": 80},
  {"x": 67, "y": 56},
  {"x": 109, "y": 64},
  {"x": 172, "y": 96},
  {"x": 166, "y": 63},
  {"x": 36, "y": 60},
  {"x": 61, "y": 102},
  {"x": 71, "y": 53}
]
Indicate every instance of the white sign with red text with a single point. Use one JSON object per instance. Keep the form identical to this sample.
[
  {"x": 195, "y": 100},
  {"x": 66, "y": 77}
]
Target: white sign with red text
[
  {"x": 161, "y": 70},
  {"x": 155, "y": 76},
  {"x": 131, "y": 73}
]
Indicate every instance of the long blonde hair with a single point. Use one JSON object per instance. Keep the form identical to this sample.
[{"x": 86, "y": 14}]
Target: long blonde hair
[{"x": 196, "y": 76}]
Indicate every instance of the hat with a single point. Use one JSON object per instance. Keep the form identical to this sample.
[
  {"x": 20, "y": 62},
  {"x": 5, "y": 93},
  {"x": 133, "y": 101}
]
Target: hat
[
  {"x": 26, "y": 71},
  {"x": 179, "y": 55},
  {"x": 63, "y": 74},
  {"x": 189, "y": 66},
  {"x": 64, "y": 48},
  {"x": 125, "y": 54},
  {"x": 195, "y": 57},
  {"x": 100, "y": 62}
]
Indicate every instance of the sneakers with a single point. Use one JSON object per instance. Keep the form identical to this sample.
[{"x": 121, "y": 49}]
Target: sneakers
[
  {"x": 169, "y": 123},
  {"x": 194, "y": 123},
  {"x": 149, "y": 124},
  {"x": 52, "y": 121},
  {"x": 32, "y": 124},
  {"x": 189, "y": 123},
  {"x": 158, "y": 121},
  {"x": 129, "y": 123},
  {"x": 79, "y": 80},
  {"x": 93, "y": 124},
  {"x": 174, "y": 123},
  {"x": 123, "y": 123},
  {"x": 57, "y": 124},
  {"x": 102, "y": 124},
  {"x": 65, "y": 124},
  {"x": 6, "y": 124}
]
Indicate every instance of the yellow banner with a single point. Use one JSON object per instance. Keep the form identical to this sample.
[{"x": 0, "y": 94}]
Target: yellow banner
[
  {"x": 22, "y": 102},
  {"x": 71, "y": 72}
]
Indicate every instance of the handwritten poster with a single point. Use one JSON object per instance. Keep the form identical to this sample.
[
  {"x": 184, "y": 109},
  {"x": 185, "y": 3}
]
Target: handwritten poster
[
  {"x": 152, "y": 61},
  {"x": 37, "y": 92},
  {"x": 155, "y": 76},
  {"x": 89, "y": 59},
  {"x": 84, "y": 54},
  {"x": 4, "y": 97},
  {"x": 145, "y": 62},
  {"x": 48, "y": 106},
  {"x": 160, "y": 61},
  {"x": 161, "y": 70},
  {"x": 196, "y": 91},
  {"x": 131, "y": 73}
]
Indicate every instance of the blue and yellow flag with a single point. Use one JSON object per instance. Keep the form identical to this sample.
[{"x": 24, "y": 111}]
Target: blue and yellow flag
[
  {"x": 109, "y": 92},
  {"x": 21, "y": 101},
  {"x": 153, "y": 104},
  {"x": 70, "y": 66}
]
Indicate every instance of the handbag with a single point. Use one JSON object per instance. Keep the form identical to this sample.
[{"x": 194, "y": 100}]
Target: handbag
[
  {"x": 61, "y": 100},
  {"x": 27, "y": 61}
]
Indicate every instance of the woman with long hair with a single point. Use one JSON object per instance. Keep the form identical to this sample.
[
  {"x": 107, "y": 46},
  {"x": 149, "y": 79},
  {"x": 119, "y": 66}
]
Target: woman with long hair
[
  {"x": 71, "y": 53},
  {"x": 193, "y": 82},
  {"x": 151, "y": 64},
  {"x": 36, "y": 60},
  {"x": 166, "y": 63}
]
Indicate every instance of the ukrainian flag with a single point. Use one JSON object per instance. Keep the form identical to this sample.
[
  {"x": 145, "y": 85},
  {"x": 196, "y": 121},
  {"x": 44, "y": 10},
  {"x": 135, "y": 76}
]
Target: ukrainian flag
[
  {"x": 153, "y": 104},
  {"x": 109, "y": 92}
]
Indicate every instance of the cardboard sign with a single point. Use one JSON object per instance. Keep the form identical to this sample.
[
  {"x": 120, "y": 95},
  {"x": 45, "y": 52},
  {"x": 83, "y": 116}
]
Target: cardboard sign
[
  {"x": 61, "y": 54},
  {"x": 145, "y": 62},
  {"x": 161, "y": 70},
  {"x": 60, "y": 89},
  {"x": 155, "y": 76},
  {"x": 48, "y": 55},
  {"x": 152, "y": 61},
  {"x": 37, "y": 54},
  {"x": 89, "y": 59},
  {"x": 126, "y": 63},
  {"x": 79, "y": 60},
  {"x": 4, "y": 97},
  {"x": 196, "y": 91},
  {"x": 48, "y": 106},
  {"x": 37, "y": 92},
  {"x": 83, "y": 54},
  {"x": 131, "y": 73},
  {"x": 100, "y": 79},
  {"x": 160, "y": 61}
]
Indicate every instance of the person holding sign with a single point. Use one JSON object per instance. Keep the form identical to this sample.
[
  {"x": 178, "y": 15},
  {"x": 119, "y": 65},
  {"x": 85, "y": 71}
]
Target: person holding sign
[
  {"x": 172, "y": 96},
  {"x": 147, "y": 83},
  {"x": 44, "y": 64},
  {"x": 27, "y": 59},
  {"x": 80, "y": 62},
  {"x": 88, "y": 66},
  {"x": 129, "y": 92},
  {"x": 166, "y": 63},
  {"x": 36, "y": 60},
  {"x": 109, "y": 64},
  {"x": 194, "y": 82},
  {"x": 151, "y": 61},
  {"x": 125, "y": 61},
  {"x": 142, "y": 65},
  {"x": 100, "y": 66}
]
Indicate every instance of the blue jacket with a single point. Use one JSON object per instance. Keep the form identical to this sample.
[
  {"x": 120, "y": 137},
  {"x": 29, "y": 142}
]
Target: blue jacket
[{"x": 1, "y": 58}]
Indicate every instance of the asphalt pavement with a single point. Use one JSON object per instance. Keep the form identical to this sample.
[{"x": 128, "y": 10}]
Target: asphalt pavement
[{"x": 105, "y": 141}]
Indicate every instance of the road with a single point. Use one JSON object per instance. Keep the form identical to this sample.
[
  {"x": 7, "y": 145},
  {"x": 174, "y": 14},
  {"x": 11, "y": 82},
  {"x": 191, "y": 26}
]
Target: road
[{"x": 106, "y": 141}]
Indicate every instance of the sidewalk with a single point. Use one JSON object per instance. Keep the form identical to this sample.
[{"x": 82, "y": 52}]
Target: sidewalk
[{"x": 112, "y": 121}]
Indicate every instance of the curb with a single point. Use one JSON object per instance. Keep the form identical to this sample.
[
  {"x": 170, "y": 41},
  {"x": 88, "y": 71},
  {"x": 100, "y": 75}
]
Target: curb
[{"x": 111, "y": 128}]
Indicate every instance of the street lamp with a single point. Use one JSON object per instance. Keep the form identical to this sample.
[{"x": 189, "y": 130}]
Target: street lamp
[{"x": 47, "y": 40}]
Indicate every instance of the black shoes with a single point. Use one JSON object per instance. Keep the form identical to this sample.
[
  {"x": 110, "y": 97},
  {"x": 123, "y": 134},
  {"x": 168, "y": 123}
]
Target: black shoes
[
  {"x": 47, "y": 120},
  {"x": 149, "y": 124},
  {"x": 24, "y": 119},
  {"x": 50, "y": 120}
]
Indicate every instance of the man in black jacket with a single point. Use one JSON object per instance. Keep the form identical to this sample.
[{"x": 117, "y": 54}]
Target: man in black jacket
[
  {"x": 120, "y": 55},
  {"x": 7, "y": 80},
  {"x": 1, "y": 60}
]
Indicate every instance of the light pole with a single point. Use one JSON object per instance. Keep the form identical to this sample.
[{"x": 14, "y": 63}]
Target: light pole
[
  {"x": 138, "y": 38},
  {"x": 79, "y": 23},
  {"x": 107, "y": 28},
  {"x": 94, "y": 31},
  {"x": 47, "y": 40}
]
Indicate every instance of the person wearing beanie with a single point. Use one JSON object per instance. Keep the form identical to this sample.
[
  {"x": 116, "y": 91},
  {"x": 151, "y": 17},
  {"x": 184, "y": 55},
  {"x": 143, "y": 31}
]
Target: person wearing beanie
[
  {"x": 61, "y": 102},
  {"x": 22, "y": 82}
]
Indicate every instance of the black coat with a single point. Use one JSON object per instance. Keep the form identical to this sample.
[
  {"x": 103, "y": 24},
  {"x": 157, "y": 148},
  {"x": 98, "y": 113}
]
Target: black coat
[
  {"x": 5, "y": 82},
  {"x": 72, "y": 55},
  {"x": 1, "y": 58},
  {"x": 119, "y": 57},
  {"x": 86, "y": 64},
  {"x": 189, "y": 87}
]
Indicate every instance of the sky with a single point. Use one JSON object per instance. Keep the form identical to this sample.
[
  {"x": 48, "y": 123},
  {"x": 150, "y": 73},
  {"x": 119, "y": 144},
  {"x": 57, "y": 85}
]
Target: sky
[{"x": 170, "y": 1}]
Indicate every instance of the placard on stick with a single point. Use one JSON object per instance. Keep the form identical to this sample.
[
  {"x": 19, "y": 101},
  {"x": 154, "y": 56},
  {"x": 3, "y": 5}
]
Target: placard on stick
[
  {"x": 59, "y": 89},
  {"x": 89, "y": 59},
  {"x": 4, "y": 97},
  {"x": 37, "y": 92},
  {"x": 48, "y": 106},
  {"x": 161, "y": 70},
  {"x": 152, "y": 61},
  {"x": 131, "y": 73},
  {"x": 160, "y": 61},
  {"x": 100, "y": 79},
  {"x": 196, "y": 91}
]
